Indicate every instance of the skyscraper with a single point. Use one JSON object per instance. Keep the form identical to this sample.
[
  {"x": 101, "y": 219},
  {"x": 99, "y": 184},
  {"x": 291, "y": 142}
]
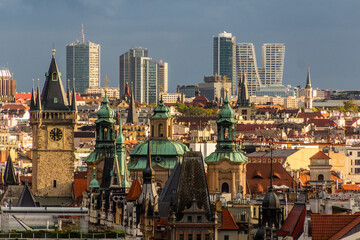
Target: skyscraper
[
  {"x": 145, "y": 76},
  {"x": 246, "y": 63},
  {"x": 83, "y": 65},
  {"x": 224, "y": 58},
  {"x": 163, "y": 76},
  {"x": 273, "y": 56}
]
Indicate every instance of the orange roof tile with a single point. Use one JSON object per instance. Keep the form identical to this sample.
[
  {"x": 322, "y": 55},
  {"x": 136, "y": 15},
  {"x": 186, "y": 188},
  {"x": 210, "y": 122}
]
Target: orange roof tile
[
  {"x": 80, "y": 186},
  {"x": 134, "y": 191},
  {"x": 326, "y": 226},
  {"x": 350, "y": 187},
  {"x": 346, "y": 229},
  {"x": 294, "y": 223},
  {"x": 320, "y": 155},
  {"x": 228, "y": 221},
  {"x": 14, "y": 107}
]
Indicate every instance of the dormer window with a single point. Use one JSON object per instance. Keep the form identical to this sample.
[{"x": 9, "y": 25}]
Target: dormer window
[{"x": 54, "y": 76}]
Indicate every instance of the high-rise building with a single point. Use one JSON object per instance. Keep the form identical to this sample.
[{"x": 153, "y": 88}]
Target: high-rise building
[
  {"x": 224, "y": 58},
  {"x": 83, "y": 65},
  {"x": 7, "y": 86},
  {"x": 142, "y": 74},
  {"x": 246, "y": 63},
  {"x": 163, "y": 76},
  {"x": 273, "y": 56}
]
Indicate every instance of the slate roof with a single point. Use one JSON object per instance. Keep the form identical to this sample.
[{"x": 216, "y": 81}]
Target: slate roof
[
  {"x": 227, "y": 220},
  {"x": 134, "y": 191},
  {"x": 53, "y": 95},
  {"x": 9, "y": 175},
  {"x": 276, "y": 153},
  {"x": 192, "y": 187},
  {"x": 330, "y": 226},
  {"x": 26, "y": 198}
]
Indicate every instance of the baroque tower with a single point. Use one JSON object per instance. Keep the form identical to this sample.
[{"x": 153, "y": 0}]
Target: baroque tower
[
  {"x": 227, "y": 165},
  {"x": 53, "y": 121}
]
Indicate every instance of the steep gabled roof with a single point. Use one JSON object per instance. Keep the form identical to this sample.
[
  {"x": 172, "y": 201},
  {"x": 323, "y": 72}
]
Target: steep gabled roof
[
  {"x": 294, "y": 223},
  {"x": 227, "y": 220},
  {"x": 26, "y": 198},
  {"x": 9, "y": 175},
  {"x": 134, "y": 191},
  {"x": 53, "y": 95}
]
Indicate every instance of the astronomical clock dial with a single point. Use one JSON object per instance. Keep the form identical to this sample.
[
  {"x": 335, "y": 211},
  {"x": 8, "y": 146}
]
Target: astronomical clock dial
[{"x": 56, "y": 134}]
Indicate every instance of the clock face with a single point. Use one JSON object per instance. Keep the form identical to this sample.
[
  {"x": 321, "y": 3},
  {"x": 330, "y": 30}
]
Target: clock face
[{"x": 56, "y": 134}]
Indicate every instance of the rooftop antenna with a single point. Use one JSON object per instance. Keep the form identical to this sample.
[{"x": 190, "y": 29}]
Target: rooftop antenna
[{"x": 82, "y": 34}]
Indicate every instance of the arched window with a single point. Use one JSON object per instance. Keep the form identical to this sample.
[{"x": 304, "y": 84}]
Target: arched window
[
  {"x": 320, "y": 177},
  {"x": 54, "y": 76},
  {"x": 161, "y": 130},
  {"x": 226, "y": 134},
  {"x": 225, "y": 188}
]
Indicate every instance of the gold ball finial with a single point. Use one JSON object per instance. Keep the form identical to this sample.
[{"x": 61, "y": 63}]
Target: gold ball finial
[{"x": 226, "y": 90}]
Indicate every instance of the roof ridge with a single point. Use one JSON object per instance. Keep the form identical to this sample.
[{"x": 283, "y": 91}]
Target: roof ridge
[{"x": 345, "y": 229}]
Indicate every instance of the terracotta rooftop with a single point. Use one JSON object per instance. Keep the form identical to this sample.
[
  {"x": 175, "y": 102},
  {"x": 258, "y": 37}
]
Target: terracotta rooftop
[
  {"x": 329, "y": 226},
  {"x": 294, "y": 223},
  {"x": 79, "y": 186},
  {"x": 14, "y": 107},
  {"x": 313, "y": 115},
  {"x": 320, "y": 155},
  {"x": 134, "y": 191},
  {"x": 258, "y": 177},
  {"x": 350, "y": 187},
  {"x": 322, "y": 122},
  {"x": 228, "y": 221}
]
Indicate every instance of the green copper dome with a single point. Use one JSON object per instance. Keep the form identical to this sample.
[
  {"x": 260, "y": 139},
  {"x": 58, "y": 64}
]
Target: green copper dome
[
  {"x": 94, "y": 183},
  {"x": 105, "y": 110},
  {"x": 161, "y": 111},
  {"x": 226, "y": 111}
]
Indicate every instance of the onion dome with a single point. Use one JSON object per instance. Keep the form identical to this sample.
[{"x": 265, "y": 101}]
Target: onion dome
[
  {"x": 105, "y": 110},
  {"x": 94, "y": 184},
  {"x": 161, "y": 111},
  {"x": 271, "y": 201},
  {"x": 226, "y": 111}
]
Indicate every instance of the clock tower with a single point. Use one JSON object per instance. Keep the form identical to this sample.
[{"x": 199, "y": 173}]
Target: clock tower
[{"x": 53, "y": 120}]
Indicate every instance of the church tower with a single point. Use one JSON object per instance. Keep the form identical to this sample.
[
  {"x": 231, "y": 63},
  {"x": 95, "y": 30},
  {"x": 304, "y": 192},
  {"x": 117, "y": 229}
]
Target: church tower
[
  {"x": 243, "y": 105},
  {"x": 227, "y": 165},
  {"x": 53, "y": 121},
  {"x": 308, "y": 92},
  {"x": 161, "y": 122}
]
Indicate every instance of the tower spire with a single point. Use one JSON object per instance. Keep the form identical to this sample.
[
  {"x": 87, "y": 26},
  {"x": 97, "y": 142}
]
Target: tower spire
[
  {"x": 82, "y": 34},
  {"x": 308, "y": 80},
  {"x": 32, "y": 101},
  {"x": 38, "y": 98},
  {"x": 148, "y": 175}
]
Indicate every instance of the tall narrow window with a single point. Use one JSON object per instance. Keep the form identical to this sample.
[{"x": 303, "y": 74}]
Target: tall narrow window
[
  {"x": 161, "y": 130},
  {"x": 54, "y": 183}
]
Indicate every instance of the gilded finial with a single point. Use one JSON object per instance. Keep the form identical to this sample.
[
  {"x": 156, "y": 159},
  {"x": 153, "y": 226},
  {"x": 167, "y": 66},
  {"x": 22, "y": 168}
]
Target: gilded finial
[{"x": 106, "y": 81}]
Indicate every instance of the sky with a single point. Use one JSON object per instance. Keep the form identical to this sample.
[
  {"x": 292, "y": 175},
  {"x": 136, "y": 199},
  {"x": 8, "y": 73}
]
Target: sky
[{"x": 322, "y": 34}]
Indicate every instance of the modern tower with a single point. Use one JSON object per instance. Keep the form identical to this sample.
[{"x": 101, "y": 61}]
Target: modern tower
[
  {"x": 163, "y": 76},
  {"x": 224, "y": 58},
  {"x": 246, "y": 62},
  {"x": 273, "y": 56},
  {"x": 83, "y": 64},
  {"x": 145, "y": 76}
]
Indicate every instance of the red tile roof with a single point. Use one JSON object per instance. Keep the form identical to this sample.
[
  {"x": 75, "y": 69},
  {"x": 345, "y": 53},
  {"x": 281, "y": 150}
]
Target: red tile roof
[
  {"x": 14, "y": 107},
  {"x": 79, "y": 186},
  {"x": 25, "y": 96},
  {"x": 258, "y": 177},
  {"x": 312, "y": 115},
  {"x": 228, "y": 221},
  {"x": 350, "y": 187},
  {"x": 322, "y": 122},
  {"x": 134, "y": 191},
  {"x": 328, "y": 226},
  {"x": 320, "y": 155},
  {"x": 294, "y": 223}
]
